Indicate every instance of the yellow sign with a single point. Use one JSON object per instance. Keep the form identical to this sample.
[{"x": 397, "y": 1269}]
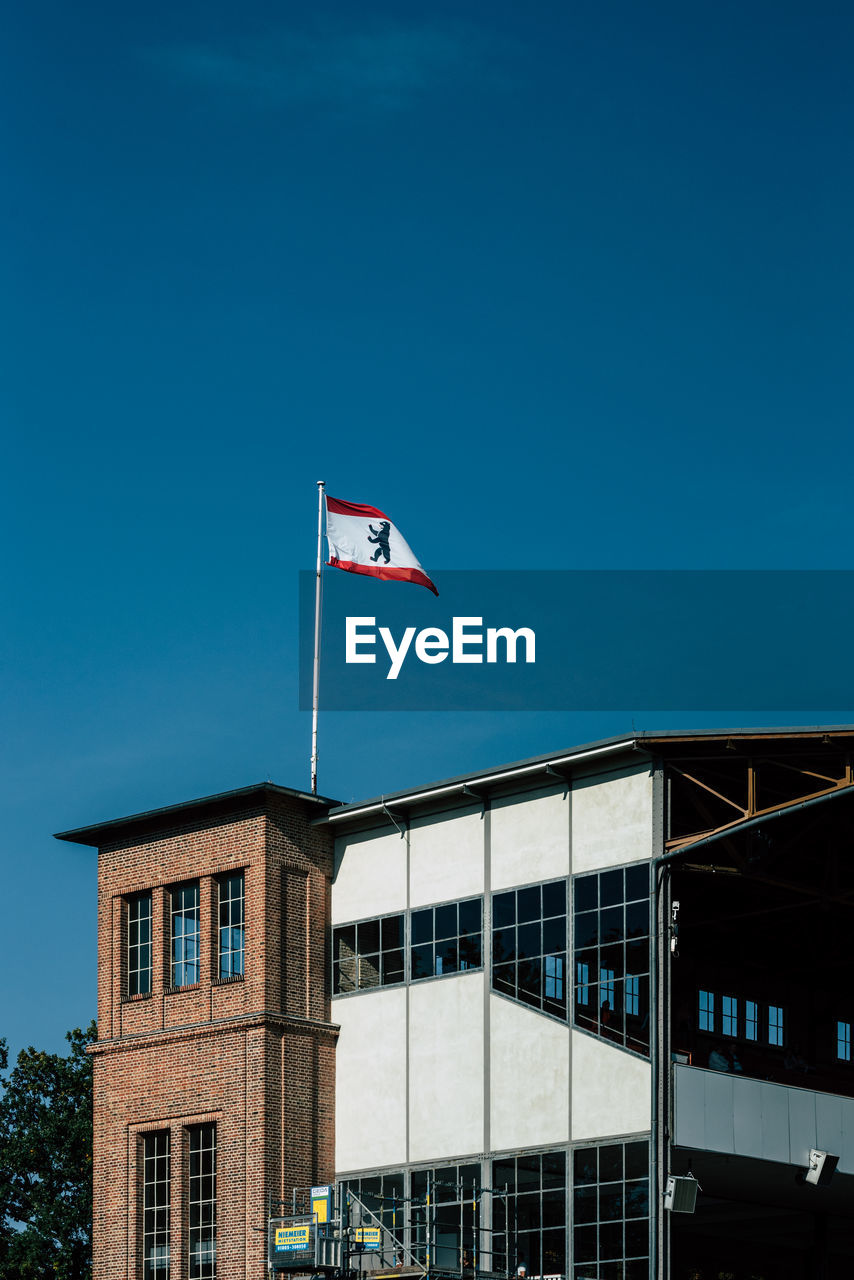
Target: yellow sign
[
  {"x": 368, "y": 1237},
  {"x": 320, "y": 1197},
  {"x": 288, "y": 1238}
]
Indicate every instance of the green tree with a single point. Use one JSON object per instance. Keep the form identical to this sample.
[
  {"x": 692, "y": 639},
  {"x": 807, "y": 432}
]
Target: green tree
[{"x": 46, "y": 1163}]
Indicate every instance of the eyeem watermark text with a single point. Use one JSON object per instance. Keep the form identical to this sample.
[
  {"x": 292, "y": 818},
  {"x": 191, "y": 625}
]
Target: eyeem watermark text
[{"x": 468, "y": 642}]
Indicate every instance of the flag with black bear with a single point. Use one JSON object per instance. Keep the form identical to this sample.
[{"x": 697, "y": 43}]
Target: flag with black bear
[{"x": 363, "y": 539}]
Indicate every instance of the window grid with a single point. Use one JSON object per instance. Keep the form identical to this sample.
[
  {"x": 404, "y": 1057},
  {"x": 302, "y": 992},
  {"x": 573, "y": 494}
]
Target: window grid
[
  {"x": 775, "y": 1025},
  {"x": 454, "y": 1219},
  {"x": 446, "y": 939},
  {"x": 611, "y": 1211},
  {"x": 843, "y": 1041},
  {"x": 202, "y": 1203},
  {"x": 529, "y": 1227},
  {"x": 156, "y": 1205},
  {"x": 185, "y": 935},
  {"x": 611, "y": 941},
  {"x": 368, "y": 954},
  {"x": 707, "y": 1011},
  {"x": 529, "y": 950},
  {"x": 729, "y": 1016},
  {"x": 139, "y": 945},
  {"x": 232, "y": 925}
]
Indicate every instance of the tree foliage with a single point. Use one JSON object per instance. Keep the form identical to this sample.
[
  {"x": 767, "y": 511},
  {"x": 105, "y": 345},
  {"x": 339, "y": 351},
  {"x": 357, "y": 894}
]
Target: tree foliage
[{"x": 46, "y": 1163}]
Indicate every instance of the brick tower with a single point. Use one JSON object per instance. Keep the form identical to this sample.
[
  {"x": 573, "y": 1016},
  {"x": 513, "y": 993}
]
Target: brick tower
[{"x": 214, "y": 1065}]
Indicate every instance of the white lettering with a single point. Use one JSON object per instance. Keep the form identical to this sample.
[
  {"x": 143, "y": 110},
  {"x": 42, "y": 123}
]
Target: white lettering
[
  {"x": 462, "y": 638},
  {"x": 396, "y": 654},
  {"x": 353, "y": 639},
  {"x": 510, "y": 637},
  {"x": 431, "y": 645}
]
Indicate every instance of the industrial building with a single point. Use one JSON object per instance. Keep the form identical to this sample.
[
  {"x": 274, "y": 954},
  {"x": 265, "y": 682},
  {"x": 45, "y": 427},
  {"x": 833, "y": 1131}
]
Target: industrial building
[{"x": 586, "y": 1015}]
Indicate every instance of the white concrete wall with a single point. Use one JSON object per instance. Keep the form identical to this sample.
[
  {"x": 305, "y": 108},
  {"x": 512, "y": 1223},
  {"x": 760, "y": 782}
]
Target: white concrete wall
[
  {"x": 446, "y": 857},
  {"x": 529, "y": 1077},
  {"x": 611, "y": 819},
  {"x": 610, "y": 1090},
  {"x": 530, "y": 838},
  {"x": 446, "y": 1078},
  {"x": 370, "y": 1080},
  {"x": 370, "y": 875}
]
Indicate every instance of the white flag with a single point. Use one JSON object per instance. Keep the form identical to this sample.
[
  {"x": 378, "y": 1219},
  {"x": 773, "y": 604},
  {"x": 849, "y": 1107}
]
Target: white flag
[{"x": 363, "y": 540}]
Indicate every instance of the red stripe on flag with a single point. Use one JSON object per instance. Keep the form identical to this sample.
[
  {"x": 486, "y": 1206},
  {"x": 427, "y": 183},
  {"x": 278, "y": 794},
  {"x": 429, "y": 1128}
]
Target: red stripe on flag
[
  {"x": 392, "y": 575},
  {"x": 339, "y": 507}
]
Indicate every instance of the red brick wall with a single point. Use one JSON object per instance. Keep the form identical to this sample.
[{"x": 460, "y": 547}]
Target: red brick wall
[{"x": 255, "y": 1056}]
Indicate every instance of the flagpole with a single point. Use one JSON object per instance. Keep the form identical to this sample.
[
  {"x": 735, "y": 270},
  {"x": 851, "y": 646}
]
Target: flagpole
[{"x": 315, "y": 694}]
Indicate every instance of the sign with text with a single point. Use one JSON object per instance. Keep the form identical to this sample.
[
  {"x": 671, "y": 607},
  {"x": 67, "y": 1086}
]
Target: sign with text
[{"x": 583, "y": 640}]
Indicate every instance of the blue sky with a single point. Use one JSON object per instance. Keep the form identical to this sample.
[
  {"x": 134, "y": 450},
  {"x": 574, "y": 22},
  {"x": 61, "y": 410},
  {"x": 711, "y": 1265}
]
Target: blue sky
[{"x": 567, "y": 286}]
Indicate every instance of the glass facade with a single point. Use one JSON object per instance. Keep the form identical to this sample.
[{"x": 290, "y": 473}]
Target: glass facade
[
  {"x": 611, "y": 957},
  {"x": 369, "y": 954},
  {"x": 529, "y": 1213},
  {"x": 529, "y": 945},
  {"x": 446, "y": 939},
  {"x": 610, "y": 1202}
]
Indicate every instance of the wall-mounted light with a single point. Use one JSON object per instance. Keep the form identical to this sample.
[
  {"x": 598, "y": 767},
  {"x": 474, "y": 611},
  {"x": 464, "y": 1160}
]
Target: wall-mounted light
[
  {"x": 680, "y": 1194},
  {"x": 821, "y": 1168}
]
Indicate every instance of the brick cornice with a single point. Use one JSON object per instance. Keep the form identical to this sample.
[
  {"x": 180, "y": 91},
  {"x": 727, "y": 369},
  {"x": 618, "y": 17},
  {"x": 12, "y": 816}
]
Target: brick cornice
[{"x": 195, "y": 1030}]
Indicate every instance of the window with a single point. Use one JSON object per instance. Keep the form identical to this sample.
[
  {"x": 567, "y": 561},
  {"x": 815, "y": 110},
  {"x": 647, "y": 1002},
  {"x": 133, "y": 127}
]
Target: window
[
  {"x": 751, "y": 1020},
  {"x": 448, "y": 1229},
  {"x": 446, "y": 939},
  {"x": 139, "y": 945},
  {"x": 843, "y": 1041},
  {"x": 529, "y": 945},
  {"x": 706, "y": 1021},
  {"x": 762, "y": 1024},
  {"x": 202, "y": 1203},
  {"x": 611, "y": 1211},
  {"x": 529, "y": 1225},
  {"x": 367, "y": 955},
  {"x": 611, "y": 955},
  {"x": 384, "y": 1196},
  {"x": 185, "y": 935},
  {"x": 232, "y": 926},
  {"x": 156, "y": 1204}
]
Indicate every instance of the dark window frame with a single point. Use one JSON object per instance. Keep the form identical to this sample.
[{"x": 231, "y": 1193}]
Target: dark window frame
[{"x": 525, "y": 938}]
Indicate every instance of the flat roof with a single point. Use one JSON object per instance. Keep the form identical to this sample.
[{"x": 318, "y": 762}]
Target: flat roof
[{"x": 101, "y": 832}]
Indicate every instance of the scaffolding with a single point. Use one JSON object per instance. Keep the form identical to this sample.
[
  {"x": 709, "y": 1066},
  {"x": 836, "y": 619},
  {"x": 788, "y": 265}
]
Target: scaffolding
[{"x": 447, "y": 1233}]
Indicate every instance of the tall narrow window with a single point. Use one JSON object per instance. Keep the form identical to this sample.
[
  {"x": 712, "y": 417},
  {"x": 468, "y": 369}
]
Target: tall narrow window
[
  {"x": 729, "y": 1016},
  {"x": 185, "y": 935},
  {"x": 751, "y": 1020},
  {"x": 843, "y": 1041},
  {"x": 232, "y": 918},
  {"x": 611, "y": 1211},
  {"x": 775, "y": 1025},
  {"x": 139, "y": 945},
  {"x": 202, "y": 1203},
  {"x": 707, "y": 1011},
  {"x": 156, "y": 1203}
]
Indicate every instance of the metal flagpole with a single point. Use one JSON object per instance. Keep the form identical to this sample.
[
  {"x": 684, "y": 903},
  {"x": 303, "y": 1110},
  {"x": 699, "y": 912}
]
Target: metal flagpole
[{"x": 315, "y": 695}]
